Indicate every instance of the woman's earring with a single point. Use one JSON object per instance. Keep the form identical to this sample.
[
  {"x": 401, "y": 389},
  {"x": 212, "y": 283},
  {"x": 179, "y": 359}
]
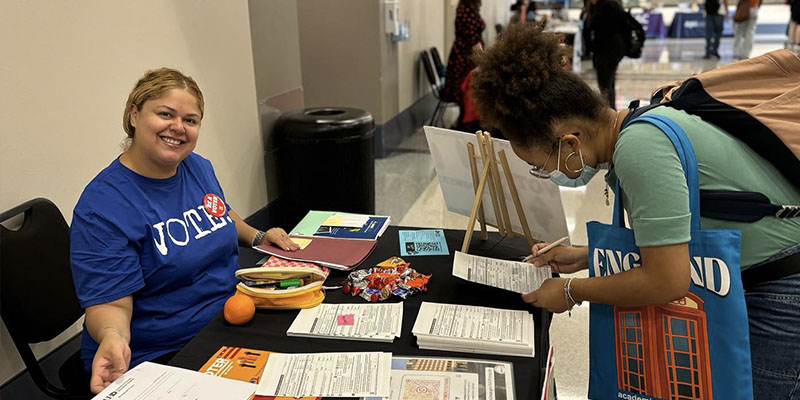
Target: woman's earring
[{"x": 566, "y": 163}]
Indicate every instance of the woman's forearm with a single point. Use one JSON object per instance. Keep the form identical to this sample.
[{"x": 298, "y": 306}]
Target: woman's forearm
[
  {"x": 244, "y": 232},
  {"x": 110, "y": 318},
  {"x": 663, "y": 276}
]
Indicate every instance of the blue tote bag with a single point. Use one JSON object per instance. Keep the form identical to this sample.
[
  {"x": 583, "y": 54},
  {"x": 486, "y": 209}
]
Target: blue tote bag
[{"x": 697, "y": 347}]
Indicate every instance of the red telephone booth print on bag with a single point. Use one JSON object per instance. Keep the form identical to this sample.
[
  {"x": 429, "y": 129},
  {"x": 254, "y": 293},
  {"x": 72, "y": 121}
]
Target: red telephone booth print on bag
[{"x": 662, "y": 350}]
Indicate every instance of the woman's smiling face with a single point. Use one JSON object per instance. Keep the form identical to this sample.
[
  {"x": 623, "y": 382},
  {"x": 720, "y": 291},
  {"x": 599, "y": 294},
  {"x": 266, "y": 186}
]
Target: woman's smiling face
[{"x": 166, "y": 130}]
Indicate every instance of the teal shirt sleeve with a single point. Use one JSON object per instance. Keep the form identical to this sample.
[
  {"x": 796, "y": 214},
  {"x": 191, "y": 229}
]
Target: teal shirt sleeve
[{"x": 655, "y": 193}]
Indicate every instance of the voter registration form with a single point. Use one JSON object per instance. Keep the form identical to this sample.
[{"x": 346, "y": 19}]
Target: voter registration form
[
  {"x": 365, "y": 374},
  {"x": 372, "y": 322},
  {"x": 473, "y": 322},
  {"x": 516, "y": 276},
  {"x": 155, "y": 381}
]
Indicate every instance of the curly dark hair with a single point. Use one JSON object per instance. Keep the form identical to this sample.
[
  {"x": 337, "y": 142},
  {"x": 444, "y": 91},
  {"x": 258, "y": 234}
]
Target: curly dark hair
[{"x": 521, "y": 88}]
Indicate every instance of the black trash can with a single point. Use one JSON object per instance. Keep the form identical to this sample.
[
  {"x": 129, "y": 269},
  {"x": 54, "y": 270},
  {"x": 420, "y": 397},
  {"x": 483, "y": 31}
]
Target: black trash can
[{"x": 326, "y": 161}]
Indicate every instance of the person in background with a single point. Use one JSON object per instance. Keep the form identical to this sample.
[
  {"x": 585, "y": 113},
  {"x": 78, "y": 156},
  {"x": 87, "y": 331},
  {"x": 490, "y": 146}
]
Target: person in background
[
  {"x": 603, "y": 35},
  {"x": 153, "y": 241},
  {"x": 744, "y": 32},
  {"x": 793, "y": 29},
  {"x": 716, "y": 14},
  {"x": 469, "y": 27},
  {"x": 566, "y": 133}
]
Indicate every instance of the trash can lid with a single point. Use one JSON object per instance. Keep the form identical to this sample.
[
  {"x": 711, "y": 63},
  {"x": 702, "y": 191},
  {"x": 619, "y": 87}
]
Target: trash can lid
[{"x": 325, "y": 124}]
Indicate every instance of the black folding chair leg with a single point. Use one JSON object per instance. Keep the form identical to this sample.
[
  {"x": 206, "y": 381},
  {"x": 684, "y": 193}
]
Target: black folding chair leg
[{"x": 435, "y": 113}]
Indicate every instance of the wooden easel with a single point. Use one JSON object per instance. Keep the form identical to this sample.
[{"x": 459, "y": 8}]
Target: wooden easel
[{"x": 490, "y": 176}]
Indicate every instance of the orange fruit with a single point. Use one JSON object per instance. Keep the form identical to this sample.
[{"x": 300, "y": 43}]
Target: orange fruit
[{"x": 239, "y": 309}]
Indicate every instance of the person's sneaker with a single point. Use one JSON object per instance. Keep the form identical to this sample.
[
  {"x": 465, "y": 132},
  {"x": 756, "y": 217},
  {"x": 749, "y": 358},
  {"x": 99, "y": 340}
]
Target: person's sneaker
[
  {"x": 716, "y": 54},
  {"x": 707, "y": 56}
]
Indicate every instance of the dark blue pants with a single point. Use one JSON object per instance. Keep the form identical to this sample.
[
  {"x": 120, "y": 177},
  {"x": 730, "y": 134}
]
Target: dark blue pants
[
  {"x": 773, "y": 310},
  {"x": 713, "y": 33}
]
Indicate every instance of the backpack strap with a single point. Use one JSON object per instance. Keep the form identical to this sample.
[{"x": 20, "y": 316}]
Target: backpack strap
[
  {"x": 742, "y": 206},
  {"x": 727, "y": 205}
]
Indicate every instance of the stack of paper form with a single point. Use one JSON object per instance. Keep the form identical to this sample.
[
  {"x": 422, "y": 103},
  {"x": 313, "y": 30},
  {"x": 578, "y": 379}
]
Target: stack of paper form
[
  {"x": 370, "y": 322},
  {"x": 473, "y": 329}
]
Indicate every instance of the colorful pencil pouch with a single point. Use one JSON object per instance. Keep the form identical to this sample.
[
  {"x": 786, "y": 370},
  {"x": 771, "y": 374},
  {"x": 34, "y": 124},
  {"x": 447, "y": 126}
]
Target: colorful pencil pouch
[{"x": 283, "y": 284}]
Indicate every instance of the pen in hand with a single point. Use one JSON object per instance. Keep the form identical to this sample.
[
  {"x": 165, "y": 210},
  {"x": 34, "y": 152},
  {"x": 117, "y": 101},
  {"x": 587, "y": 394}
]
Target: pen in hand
[{"x": 547, "y": 248}]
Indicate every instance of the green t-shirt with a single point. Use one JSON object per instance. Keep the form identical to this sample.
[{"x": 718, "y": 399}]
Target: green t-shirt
[{"x": 656, "y": 197}]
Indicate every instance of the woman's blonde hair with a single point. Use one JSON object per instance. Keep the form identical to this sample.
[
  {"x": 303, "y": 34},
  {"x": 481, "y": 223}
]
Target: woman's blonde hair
[{"x": 153, "y": 85}]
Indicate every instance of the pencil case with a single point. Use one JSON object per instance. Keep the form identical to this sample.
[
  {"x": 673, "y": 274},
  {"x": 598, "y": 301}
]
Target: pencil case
[{"x": 283, "y": 284}]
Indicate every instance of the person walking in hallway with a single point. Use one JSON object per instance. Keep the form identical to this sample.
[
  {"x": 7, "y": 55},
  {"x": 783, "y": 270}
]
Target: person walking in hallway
[
  {"x": 743, "y": 32},
  {"x": 716, "y": 14},
  {"x": 603, "y": 35}
]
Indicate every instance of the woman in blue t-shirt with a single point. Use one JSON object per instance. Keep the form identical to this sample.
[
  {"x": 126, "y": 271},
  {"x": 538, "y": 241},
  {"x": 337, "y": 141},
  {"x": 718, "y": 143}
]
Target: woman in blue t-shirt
[{"x": 153, "y": 241}]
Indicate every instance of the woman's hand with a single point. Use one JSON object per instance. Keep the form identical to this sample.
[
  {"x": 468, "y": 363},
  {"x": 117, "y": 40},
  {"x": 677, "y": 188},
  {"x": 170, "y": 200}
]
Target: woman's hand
[
  {"x": 563, "y": 259},
  {"x": 549, "y": 296},
  {"x": 111, "y": 360},
  {"x": 278, "y": 237}
]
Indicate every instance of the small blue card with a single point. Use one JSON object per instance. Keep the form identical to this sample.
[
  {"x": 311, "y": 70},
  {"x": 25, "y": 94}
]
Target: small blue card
[{"x": 429, "y": 242}]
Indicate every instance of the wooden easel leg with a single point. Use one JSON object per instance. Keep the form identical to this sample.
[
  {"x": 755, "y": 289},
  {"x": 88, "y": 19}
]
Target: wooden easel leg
[
  {"x": 512, "y": 187},
  {"x": 475, "y": 206},
  {"x": 473, "y": 167},
  {"x": 501, "y": 197},
  {"x": 488, "y": 159}
]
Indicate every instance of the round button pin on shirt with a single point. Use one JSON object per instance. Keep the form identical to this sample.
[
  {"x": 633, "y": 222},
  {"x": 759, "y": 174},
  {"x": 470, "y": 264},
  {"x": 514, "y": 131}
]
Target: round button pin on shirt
[{"x": 214, "y": 205}]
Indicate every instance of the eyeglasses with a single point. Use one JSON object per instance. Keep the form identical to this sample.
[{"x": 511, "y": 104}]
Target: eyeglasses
[{"x": 540, "y": 172}]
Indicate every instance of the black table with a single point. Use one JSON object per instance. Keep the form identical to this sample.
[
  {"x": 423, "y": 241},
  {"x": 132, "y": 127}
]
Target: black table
[{"x": 267, "y": 330}]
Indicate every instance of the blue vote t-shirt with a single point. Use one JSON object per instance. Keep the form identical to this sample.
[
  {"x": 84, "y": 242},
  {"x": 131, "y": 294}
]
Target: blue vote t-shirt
[{"x": 154, "y": 240}]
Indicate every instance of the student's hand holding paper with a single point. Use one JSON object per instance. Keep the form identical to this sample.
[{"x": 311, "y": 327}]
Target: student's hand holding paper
[
  {"x": 563, "y": 259},
  {"x": 549, "y": 296}
]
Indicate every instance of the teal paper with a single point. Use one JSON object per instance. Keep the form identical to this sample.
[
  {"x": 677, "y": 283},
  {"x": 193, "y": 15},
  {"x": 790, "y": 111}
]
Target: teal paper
[{"x": 429, "y": 242}]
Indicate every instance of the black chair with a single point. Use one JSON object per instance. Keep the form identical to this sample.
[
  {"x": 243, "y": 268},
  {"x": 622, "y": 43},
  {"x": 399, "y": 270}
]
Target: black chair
[
  {"x": 436, "y": 86},
  {"x": 37, "y": 294},
  {"x": 437, "y": 62}
]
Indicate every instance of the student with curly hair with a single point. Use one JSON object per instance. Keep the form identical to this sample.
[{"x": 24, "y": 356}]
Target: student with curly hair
[{"x": 567, "y": 132}]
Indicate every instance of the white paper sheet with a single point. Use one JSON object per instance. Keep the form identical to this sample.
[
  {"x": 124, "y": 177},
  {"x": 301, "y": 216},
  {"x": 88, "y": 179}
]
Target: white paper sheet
[
  {"x": 474, "y": 329},
  {"x": 155, "y": 381},
  {"x": 376, "y": 322},
  {"x": 539, "y": 197},
  {"x": 472, "y": 322},
  {"x": 518, "y": 277},
  {"x": 327, "y": 375}
]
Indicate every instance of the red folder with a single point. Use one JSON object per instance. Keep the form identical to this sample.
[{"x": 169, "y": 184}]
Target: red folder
[{"x": 343, "y": 254}]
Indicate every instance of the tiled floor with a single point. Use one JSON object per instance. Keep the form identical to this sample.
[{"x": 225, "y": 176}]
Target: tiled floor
[{"x": 408, "y": 190}]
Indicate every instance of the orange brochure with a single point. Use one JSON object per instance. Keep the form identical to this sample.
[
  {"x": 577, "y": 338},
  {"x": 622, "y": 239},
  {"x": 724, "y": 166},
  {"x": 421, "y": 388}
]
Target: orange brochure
[{"x": 242, "y": 364}]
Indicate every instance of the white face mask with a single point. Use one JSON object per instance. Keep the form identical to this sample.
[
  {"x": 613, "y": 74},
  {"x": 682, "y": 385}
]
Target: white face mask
[{"x": 587, "y": 172}]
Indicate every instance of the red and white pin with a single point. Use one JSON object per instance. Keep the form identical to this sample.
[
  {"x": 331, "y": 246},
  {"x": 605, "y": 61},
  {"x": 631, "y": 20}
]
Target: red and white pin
[{"x": 214, "y": 205}]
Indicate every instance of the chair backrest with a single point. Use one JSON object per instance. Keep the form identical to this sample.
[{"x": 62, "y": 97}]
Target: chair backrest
[
  {"x": 37, "y": 293},
  {"x": 433, "y": 78},
  {"x": 437, "y": 61}
]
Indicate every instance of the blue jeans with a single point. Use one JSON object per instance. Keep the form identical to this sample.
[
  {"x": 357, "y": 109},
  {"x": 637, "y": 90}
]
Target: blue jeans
[
  {"x": 773, "y": 310},
  {"x": 713, "y": 33}
]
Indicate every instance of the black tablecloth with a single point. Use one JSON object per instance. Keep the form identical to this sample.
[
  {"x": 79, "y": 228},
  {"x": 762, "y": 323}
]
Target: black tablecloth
[{"x": 267, "y": 330}]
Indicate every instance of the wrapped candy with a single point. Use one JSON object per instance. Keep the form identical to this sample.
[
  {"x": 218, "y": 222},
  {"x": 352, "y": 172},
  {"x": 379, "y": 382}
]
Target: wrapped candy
[{"x": 393, "y": 276}]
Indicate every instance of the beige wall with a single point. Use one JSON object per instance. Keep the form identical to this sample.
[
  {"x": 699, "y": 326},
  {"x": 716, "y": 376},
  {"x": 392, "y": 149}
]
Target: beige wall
[
  {"x": 276, "y": 60},
  {"x": 65, "y": 73},
  {"x": 426, "y": 31},
  {"x": 348, "y": 60},
  {"x": 339, "y": 45}
]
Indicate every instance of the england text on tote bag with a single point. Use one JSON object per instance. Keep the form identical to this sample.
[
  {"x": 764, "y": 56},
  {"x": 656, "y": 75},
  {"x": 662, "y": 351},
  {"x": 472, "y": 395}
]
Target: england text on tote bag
[{"x": 694, "y": 348}]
